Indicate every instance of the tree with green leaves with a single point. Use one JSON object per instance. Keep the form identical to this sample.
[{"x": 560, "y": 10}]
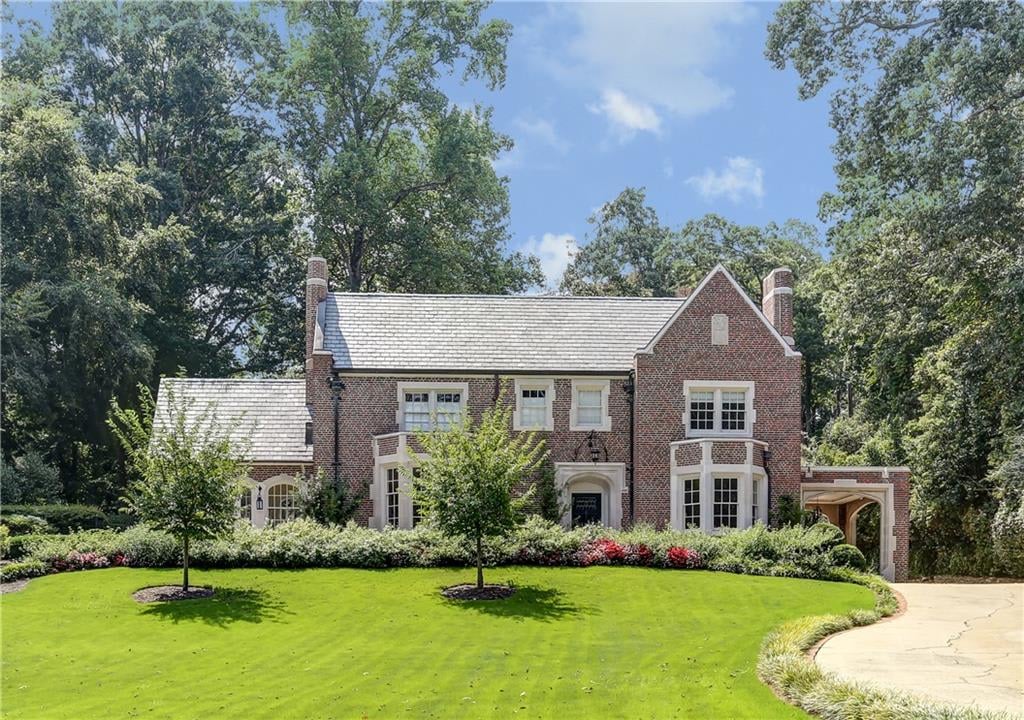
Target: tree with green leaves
[
  {"x": 400, "y": 189},
  {"x": 187, "y": 470},
  {"x": 471, "y": 476},
  {"x": 181, "y": 93},
  {"x": 928, "y": 236}
]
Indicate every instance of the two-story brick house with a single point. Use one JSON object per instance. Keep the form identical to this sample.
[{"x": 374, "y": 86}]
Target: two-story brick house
[{"x": 679, "y": 412}]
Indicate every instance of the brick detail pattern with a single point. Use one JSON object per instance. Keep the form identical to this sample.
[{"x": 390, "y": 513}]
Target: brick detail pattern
[
  {"x": 685, "y": 352},
  {"x": 778, "y": 307},
  {"x": 900, "y": 480},
  {"x": 689, "y": 455},
  {"x": 729, "y": 453},
  {"x": 316, "y": 292}
]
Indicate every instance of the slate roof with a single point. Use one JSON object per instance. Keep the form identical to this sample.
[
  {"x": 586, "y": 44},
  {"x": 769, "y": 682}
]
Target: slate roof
[
  {"x": 273, "y": 410},
  {"x": 378, "y": 331}
]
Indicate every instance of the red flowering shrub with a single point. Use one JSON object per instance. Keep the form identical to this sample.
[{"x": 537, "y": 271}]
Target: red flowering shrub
[
  {"x": 639, "y": 554},
  {"x": 680, "y": 557},
  {"x": 601, "y": 552}
]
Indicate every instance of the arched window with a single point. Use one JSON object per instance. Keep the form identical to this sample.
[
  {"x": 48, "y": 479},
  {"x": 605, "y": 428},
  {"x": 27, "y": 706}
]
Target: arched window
[{"x": 282, "y": 503}]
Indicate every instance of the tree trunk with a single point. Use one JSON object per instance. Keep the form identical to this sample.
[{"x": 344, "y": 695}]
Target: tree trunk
[
  {"x": 479, "y": 564},
  {"x": 184, "y": 581}
]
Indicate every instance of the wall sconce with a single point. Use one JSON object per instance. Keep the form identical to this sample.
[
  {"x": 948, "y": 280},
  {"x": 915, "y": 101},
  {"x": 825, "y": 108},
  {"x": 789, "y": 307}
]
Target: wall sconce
[{"x": 259, "y": 497}]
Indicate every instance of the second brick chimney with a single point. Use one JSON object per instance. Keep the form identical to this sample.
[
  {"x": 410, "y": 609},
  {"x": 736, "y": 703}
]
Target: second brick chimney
[
  {"x": 777, "y": 301},
  {"x": 316, "y": 292}
]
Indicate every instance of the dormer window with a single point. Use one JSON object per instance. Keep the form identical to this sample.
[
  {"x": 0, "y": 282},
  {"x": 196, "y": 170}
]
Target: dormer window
[{"x": 718, "y": 408}]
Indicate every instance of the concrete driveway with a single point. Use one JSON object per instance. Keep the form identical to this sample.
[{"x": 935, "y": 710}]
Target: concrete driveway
[{"x": 961, "y": 644}]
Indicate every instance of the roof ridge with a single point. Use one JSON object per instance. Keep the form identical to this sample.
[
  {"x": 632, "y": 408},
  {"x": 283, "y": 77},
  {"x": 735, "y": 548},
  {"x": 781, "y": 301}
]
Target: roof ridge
[
  {"x": 511, "y": 297},
  {"x": 213, "y": 379}
]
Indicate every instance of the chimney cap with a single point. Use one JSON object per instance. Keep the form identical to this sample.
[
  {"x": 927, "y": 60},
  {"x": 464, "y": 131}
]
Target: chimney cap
[{"x": 315, "y": 258}]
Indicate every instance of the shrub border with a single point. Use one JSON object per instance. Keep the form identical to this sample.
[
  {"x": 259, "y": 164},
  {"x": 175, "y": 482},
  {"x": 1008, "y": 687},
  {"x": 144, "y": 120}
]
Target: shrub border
[{"x": 786, "y": 665}]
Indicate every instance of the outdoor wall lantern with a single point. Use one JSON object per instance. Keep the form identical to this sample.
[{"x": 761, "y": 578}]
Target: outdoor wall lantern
[{"x": 259, "y": 497}]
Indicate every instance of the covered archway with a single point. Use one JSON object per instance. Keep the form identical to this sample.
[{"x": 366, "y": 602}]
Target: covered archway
[
  {"x": 842, "y": 501},
  {"x": 591, "y": 493}
]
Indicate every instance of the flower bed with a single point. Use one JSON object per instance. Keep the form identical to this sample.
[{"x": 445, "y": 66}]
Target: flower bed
[{"x": 792, "y": 552}]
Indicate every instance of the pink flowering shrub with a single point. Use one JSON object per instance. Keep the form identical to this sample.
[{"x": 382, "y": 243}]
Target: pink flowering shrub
[
  {"x": 602, "y": 551},
  {"x": 75, "y": 560},
  {"x": 638, "y": 554},
  {"x": 680, "y": 557}
]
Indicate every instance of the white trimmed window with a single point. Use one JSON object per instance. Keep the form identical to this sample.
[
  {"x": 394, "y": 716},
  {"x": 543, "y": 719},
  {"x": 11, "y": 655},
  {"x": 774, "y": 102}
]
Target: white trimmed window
[
  {"x": 391, "y": 497},
  {"x": 245, "y": 505},
  {"x": 282, "y": 503},
  {"x": 691, "y": 503},
  {"x": 718, "y": 408},
  {"x": 431, "y": 408},
  {"x": 755, "y": 510},
  {"x": 726, "y": 504},
  {"x": 535, "y": 399},
  {"x": 417, "y": 518},
  {"x": 590, "y": 405}
]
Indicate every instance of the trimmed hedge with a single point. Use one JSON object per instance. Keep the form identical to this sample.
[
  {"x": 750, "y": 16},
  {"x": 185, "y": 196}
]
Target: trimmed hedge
[
  {"x": 784, "y": 665},
  {"x": 63, "y": 518},
  {"x": 21, "y": 570},
  {"x": 790, "y": 552}
]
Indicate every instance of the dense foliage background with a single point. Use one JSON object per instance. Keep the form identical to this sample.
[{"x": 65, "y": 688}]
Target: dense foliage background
[{"x": 166, "y": 167}]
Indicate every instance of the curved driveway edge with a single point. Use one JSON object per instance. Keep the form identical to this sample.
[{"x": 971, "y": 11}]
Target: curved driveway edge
[{"x": 961, "y": 644}]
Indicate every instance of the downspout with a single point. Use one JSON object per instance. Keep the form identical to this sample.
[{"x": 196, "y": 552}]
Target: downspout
[
  {"x": 766, "y": 455},
  {"x": 337, "y": 385},
  {"x": 630, "y": 387}
]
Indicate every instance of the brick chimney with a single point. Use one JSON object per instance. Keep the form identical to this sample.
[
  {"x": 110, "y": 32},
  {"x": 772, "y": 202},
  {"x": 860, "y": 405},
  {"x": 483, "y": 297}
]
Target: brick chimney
[
  {"x": 316, "y": 292},
  {"x": 777, "y": 301}
]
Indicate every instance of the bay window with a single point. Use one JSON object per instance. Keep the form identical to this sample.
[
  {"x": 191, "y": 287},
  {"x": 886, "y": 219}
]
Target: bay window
[
  {"x": 726, "y": 502},
  {"x": 691, "y": 503}
]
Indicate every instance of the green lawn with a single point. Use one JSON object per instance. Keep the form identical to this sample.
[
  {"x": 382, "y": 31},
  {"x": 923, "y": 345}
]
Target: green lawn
[{"x": 588, "y": 643}]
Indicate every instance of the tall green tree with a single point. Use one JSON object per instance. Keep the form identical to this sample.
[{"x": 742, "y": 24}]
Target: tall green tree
[
  {"x": 928, "y": 233},
  {"x": 180, "y": 91},
  {"x": 400, "y": 189},
  {"x": 77, "y": 244}
]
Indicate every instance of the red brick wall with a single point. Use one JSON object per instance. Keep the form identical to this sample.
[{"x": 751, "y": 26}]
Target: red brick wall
[{"x": 685, "y": 352}]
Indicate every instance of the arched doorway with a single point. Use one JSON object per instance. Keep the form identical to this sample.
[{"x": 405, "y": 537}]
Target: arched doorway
[
  {"x": 843, "y": 502},
  {"x": 591, "y": 493}
]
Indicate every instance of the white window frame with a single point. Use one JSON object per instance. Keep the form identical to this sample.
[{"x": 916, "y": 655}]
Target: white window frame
[
  {"x": 432, "y": 389},
  {"x": 699, "y": 504},
  {"x": 545, "y": 384},
  {"x": 755, "y": 501},
  {"x": 602, "y": 385},
  {"x": 717, "y": 387},
  {"x": 738, "y": 478},
  {"x": 291, "y": 511}
]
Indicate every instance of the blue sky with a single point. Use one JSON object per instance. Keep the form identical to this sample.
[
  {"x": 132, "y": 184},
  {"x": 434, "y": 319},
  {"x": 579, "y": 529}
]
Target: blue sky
[{"x": 676, "y": 97}]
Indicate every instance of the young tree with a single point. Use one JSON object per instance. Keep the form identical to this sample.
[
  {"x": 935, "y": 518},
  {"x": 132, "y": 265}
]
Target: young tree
[
  {"x": 468, "y": 478},
  {"x": 188, "y": 471}
]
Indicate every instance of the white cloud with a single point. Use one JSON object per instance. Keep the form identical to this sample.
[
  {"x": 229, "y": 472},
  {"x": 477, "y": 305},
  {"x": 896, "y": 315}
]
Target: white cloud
[
  {"x": 555, "y": 253},
  {"x": 741, "y": 176},
  {"x": 544, "y": 131},
  {"x": 668, "y": 169},
  {"x": 626, "y": 116},
  {"x": 659, "y": 57}
]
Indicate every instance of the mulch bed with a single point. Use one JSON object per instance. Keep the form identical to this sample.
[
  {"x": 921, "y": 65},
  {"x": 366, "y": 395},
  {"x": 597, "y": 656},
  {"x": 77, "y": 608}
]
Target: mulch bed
[
  {"x": 13, "y": 586},
  {"x": 161, "y": 593},
  {"x": 471, "y": 592}
]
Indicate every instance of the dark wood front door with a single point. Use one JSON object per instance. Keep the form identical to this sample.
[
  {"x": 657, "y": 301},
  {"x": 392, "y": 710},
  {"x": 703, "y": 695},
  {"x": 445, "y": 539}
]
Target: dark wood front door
[{"x": 586, "y": 509}]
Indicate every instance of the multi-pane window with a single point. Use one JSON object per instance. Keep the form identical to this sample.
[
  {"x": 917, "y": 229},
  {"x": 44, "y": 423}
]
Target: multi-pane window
[
  {"x": 702, "y": 410},
  {"x": 533, "y": 407},
  {"x": 416, "y": 516},
  {"x": 282, "y": 503},
  {"x": 429, "y": 409},
  {"x": 589, "y": 407},
  {"x": 417, "y": 411},
  {"x": 391, "y": 496},
  {"x": 726, "y": 502},
  {"x": 755, "y": 513},
  {"x": 245, "y": 506},
  {"x": 691, "y": 503},
  {"x": 734, "y": 410}
]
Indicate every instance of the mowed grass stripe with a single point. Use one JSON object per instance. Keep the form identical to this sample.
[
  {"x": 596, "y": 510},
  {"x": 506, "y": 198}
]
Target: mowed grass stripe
[{"x": 339, "y": 643}]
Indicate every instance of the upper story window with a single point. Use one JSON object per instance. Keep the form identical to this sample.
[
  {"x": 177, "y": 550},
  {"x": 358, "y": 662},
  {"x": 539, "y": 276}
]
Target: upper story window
[
  {"x": 590, "y": 405},
  {"x": 431, "y": 407},
  {"x": 718, "y": 408},
  {"x": 535, "y": 399}
]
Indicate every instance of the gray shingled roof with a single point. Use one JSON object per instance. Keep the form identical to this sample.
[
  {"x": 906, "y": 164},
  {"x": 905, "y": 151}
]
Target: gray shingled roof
[
  {"x": 490, "y": 332},
  {"x": 273, "y": 410}
]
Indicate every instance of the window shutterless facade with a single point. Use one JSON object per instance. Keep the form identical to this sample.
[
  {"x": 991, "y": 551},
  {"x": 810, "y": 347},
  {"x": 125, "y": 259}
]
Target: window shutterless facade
[
  {"x": 535, "y": 398},
  {"x": 391, "y": 497},
  {"x": 755, "y": 491},
  {"x": 691, "y": 503},
  {"x": 717, "y": 408},
  {"x": 726, "y": 502},
  {"x": 282, "y": 504},
  {"x": 590, "y": 405},
  {"x": 431, "y": 407}
]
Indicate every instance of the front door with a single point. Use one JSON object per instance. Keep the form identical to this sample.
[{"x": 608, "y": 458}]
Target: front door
[{"x": 586, "y": 509}]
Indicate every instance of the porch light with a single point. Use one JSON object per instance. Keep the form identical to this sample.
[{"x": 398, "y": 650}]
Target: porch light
[
  {"x": 259, "y": 497},
  {"x": 595, "y": 451}
]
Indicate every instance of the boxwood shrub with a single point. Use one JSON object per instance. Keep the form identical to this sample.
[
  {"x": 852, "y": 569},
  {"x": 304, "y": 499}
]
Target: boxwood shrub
[{"x": 63, "y": 518}]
